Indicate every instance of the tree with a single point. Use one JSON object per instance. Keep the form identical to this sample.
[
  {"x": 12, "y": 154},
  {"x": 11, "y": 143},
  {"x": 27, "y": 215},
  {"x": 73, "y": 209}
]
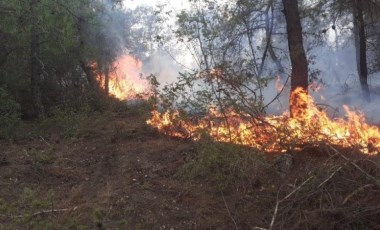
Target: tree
[
  {"x": 362, "y": 17},
  {"x": 361, "y": 46},
  {"x": 35, "y": 63},
  {"x": 57, "y": 44},
  {"x": 299, "y": 75}
]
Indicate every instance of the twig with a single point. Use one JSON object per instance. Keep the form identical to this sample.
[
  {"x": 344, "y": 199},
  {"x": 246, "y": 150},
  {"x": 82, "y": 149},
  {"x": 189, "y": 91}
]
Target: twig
[
  {"x": 43, "y": 212},
  {"x": 274, "y": 214},
  {"x": 377, "y": 182},
  {"x": 329, "y": 178},
  {"x": 283, "y": 199},
  {"x": 43, "y": 139},
  {"x": 296, "y": 189},
  {"x": 355, "y": 192},
  {"x": 228, "y": 210}
]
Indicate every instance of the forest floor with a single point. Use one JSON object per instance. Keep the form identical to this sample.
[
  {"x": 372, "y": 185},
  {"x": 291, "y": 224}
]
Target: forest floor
[{"x": 118, "y": 173}]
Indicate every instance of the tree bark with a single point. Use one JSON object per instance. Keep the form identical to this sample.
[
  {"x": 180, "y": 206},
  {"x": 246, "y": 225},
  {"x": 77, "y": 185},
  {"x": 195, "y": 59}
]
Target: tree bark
[
  {"x": 107, "y": 79},
  {"x": 35, "y": 65},
  {"x": 299, "y": 75},
  {"x": 361, "y": 46}
]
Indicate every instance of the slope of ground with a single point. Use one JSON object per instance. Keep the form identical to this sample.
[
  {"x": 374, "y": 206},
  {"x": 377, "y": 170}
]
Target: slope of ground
[{"x": 118, "y": 173}]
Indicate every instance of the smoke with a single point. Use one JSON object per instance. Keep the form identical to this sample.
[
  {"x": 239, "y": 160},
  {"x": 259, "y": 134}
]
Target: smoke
[
  {"x": 163, "y": 66},
  {"x": 336, "y": 61},
  {"x": 341, "y": 81},
  {"x": 339, "y": 84}
]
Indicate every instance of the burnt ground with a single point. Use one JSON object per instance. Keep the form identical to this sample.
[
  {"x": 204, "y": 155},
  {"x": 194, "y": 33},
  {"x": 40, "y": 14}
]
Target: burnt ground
[{"x": 118, "y": 173}]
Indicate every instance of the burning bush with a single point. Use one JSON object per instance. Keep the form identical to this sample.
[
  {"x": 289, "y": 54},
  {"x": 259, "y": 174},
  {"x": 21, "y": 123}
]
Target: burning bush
[{"x": 309, "y": 126}]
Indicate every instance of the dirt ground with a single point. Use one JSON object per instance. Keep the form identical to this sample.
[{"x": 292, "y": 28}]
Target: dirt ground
[{"x": 121, "y": 174}]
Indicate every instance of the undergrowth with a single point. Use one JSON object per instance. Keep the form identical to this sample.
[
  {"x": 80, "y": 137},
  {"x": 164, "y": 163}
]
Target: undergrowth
[
  {"x": 30, "y": 211},
  {"x": 224, "y": 164}
]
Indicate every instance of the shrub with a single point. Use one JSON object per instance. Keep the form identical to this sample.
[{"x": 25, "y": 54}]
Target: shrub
[
  {"x": 224, "y": 164},
  {"x": 69, "y": 121}
]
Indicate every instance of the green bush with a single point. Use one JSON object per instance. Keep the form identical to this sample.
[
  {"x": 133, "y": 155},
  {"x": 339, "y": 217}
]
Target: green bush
[
  {"x": 9, "y": 116},
  {"x": 223, "y": 164},
  {"x": 69, "y": 121}
]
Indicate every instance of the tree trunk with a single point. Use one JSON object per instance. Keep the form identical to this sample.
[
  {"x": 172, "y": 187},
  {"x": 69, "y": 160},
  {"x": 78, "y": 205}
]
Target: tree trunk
[
  {"x": 35, "y": 65},
  {"x": 299, "y": 75},
  {"x": 88, "y": 68},
  {"x": 107, "y": 79},
  {"x": 361, "y": 46},
  {"x": 269, "y": 27},
  {"x": 89, "y": 71}
]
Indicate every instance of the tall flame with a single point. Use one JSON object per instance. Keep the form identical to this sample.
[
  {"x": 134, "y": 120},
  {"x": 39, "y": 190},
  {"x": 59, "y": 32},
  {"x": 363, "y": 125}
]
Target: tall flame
[
  {"x": 124, "y": 78},
  {"x": 308, "y": 125}
]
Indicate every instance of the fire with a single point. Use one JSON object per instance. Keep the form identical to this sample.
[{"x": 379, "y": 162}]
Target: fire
[
  {"x": 309, "y": 126},
  {"x": 124, "y": 79}
]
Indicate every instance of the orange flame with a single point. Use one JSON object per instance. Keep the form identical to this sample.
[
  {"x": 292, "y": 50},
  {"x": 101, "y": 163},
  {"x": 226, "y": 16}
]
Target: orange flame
[
  {"x": 124, "y": 79},
  {"x": 309, "y": 125}
]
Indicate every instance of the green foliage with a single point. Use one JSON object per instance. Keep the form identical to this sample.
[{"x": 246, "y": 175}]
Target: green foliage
[
  {"x": 24, "y": 213},
  {"x": 9, "y": 115},
  {"x": 40, "y": 157},
  {"x": 223, "y": 164},
  {"x": 33, "y": 210},
  {"x": 98, "y": 218},
  {"x": 72, "y": 37},
  {"x": 230, "y": 50},
  {"x": 71, "y": 123}
]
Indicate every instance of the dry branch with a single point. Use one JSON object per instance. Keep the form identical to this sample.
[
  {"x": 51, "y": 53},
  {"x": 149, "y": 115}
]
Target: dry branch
[
  {"x": 285, "y": 198},
  {"x": 375, "y": 180},
  {"x": 229, "y": 213},
  {"x": 42, "y": 212}
]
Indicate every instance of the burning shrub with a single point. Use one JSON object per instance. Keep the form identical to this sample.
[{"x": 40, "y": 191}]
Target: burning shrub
[{"x": 311, "y": 126}]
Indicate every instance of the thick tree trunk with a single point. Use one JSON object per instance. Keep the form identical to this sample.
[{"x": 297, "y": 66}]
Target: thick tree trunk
[
  {"x": 361, "y": 46},
  {"x": 35, "y": 65},
  {"x": 299, "y": 76}
]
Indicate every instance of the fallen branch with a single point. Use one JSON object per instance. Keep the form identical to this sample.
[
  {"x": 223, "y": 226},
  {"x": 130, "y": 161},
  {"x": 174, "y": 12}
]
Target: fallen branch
[
  {"x": 285, "y": 198},
  {"x": 228, "y": 210},
  {"x": 329, "y": 178},
  {"x": 43, "y": 139},
  {"x": 376, "y": 181},
  {"x": 274, "y": 214},
  {"x": 43, "y": 212},
  {"x": 296, "y": 189},
  {"x": 355, "y": 192}
]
